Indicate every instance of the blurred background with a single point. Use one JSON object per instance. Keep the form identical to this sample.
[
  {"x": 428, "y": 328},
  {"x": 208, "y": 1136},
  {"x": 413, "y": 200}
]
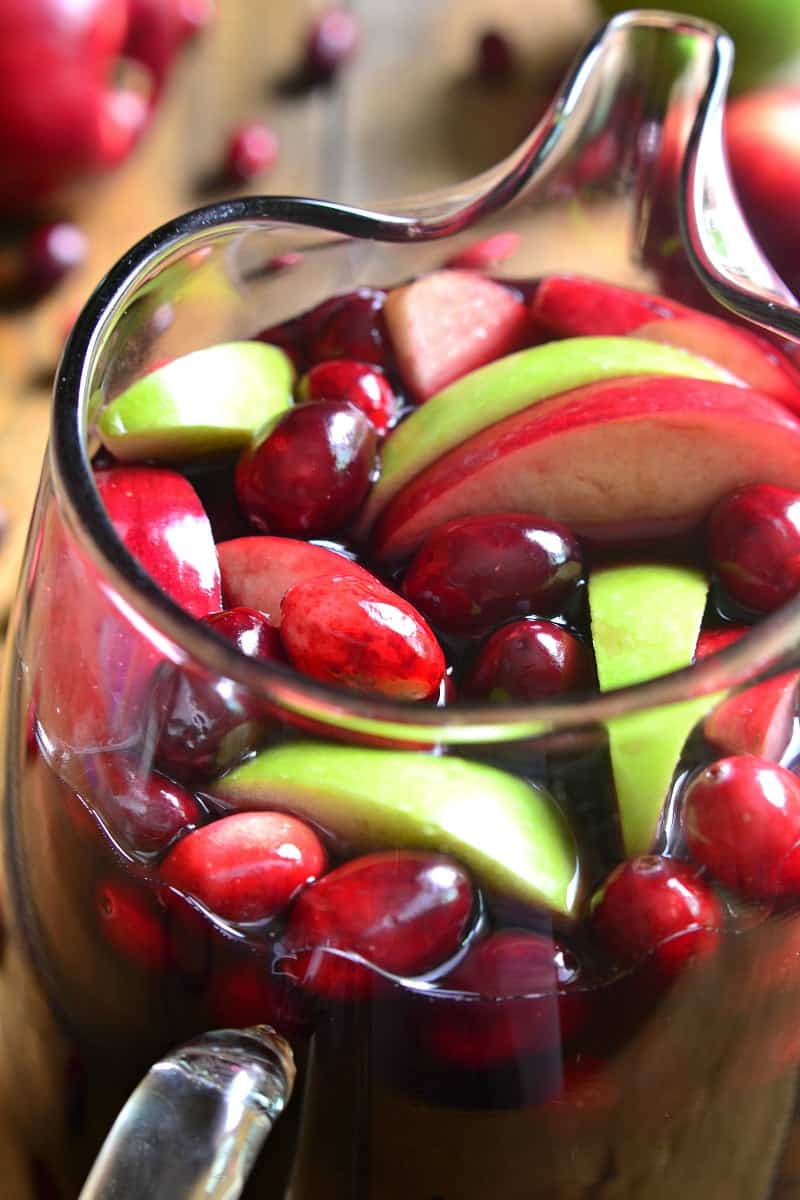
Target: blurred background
[{"x": 118, "y": 114}]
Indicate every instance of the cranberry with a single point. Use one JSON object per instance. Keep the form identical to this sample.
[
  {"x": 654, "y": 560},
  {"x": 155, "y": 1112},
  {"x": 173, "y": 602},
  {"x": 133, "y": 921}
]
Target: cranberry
[
  {"x": 361, "y": 384},
  {"x": 246, "y": 866},
  {"x": 741, "y": 816},
  {"x": 479, "y": 256},
  {"x": 401, "y": 912},
  {"x": 310, "y": 473},
  {"x": 658, "y": 912},
  {"x": 362, "y": 636},
  {"x": 349, "y": 326},
  {"x": 252, "y": 149},
  {"x": 143, "y": 811},
  {"x": 474, "y": 572},
  {"x": 332, "y": 40},
  {"x": 754, "y": 539},
  {"x": 246, "y": 993},
  {"x": 528, "y": 659},
  {"x": 289, "y": 336},
  {"x": 50, "y": 253},
  {"x": 131, "y": 923},
  {"x": 712, "y": 640},
  {"x": 511, "y": 1000},
  {"x": 495, "y": 58},
  {"x": 249, "y": 630}
]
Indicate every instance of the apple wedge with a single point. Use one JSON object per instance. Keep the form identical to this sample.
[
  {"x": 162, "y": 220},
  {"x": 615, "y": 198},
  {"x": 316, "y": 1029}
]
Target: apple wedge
[
  {"x": 575, "y": 305},
  {"x": 257, "y": 572},
  {"x": 619, "y": 460},
  {"x": 645, "y": 621},
  {"x": 510, "y": 833},
  {"x": 207, "y": 402},
  {"x": 497, "y": 391}
]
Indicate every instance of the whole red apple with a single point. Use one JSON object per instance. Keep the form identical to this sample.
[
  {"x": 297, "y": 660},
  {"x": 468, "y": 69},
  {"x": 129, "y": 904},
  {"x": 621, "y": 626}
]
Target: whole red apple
[{"x": 761, "y": 131}]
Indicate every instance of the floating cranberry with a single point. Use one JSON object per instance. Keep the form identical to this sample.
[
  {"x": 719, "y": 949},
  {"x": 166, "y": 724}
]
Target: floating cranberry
[
  {"x": 249, "y": 630},
  {"x": 332, "y": 40},
  {"x": 488, "y": 252},
  {"x": 252, "y": 149},
  {"x": 289, "y": 336},
  {"x": 527, "y": 660},
  {"x": 741, "y": 816},
  {"x": 247, "y": 993},
  {"x": 246, "y": 866},
  {"x": 658, "y": 912},
  {"x": 754, "y": 539},
  {"x": 349, "y": 326},
  {"x": 360, "y": 635},
  {"x": 50, "y": 253},
  {"x": 495, "y": 58},
  {"x": 142, "y": 810},
  {"x": 310, "y": 473},
  {"x": 131, "y": 923},
  {"x": 401, "y": 912},
  {"x": 475, "y": 572},
  {"x": 512, "y": 998},
  {"x": 361, "y": 384}
]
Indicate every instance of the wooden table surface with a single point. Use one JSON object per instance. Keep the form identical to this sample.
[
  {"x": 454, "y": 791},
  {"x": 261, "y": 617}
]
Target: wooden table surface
[{"x": 407, "y": 114}]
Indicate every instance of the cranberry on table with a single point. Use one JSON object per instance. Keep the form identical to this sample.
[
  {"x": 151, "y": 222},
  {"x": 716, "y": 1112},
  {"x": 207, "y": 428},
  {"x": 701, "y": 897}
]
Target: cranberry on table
[
  {"x": 252, "y": 149},
  {"x": 50, "y": 253},
  {"x": 131, "y": 923},
  {"x": 516, "y": 1000},
  {"x": 754, "y": 540},
  {"x": 741, "y": 816},
  {"x": 310, "y": 473},
  {"x": 349, "y": 326},
  {"x": 247, "y": 866},
  {"x": 144, "y": 812},
  {"x": 474, "y": 572},
  {"x": 362, "y": 636},
  {"x": 402, "y": 912},
  {"x": 527, "y": 660},
  {"x": 656, "y": 912},
  {"x": 361, "y": 384},
  {"x": 332, "y": 40}
]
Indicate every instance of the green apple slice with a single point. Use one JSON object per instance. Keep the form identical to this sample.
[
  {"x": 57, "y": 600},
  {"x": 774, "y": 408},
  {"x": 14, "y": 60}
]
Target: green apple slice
[
  {"x": 206, "y": 402},
  {"x": 511, "y": 384},
  {"x": 646, "y": 619},
  {"x": 508, "y": 832}
]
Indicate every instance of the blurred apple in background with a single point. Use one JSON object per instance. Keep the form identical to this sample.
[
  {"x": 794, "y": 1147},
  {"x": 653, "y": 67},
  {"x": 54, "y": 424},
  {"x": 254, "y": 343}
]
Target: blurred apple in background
[
  {"x": 766, "y": 32},
  {"x": 64, "y": 113}
]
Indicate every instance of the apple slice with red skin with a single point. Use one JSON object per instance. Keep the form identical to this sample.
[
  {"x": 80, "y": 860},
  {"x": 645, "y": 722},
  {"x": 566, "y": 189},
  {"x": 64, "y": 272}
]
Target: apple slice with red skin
[
  {"x": 620, "y": 460},
  {"x": 257, "y": 572},
  {"x": 757, "y": 720},
  {"x": 448, "y": 323},
  {"x": 574, "y": 305},
  {"x": 92, "y": 663}
]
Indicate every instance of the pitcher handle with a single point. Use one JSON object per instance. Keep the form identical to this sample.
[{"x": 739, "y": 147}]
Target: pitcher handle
[{"x": 194, "y": 1126}]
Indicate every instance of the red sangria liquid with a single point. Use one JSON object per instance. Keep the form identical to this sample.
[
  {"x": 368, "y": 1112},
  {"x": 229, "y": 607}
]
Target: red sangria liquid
[{"x": 564, "y": 966}]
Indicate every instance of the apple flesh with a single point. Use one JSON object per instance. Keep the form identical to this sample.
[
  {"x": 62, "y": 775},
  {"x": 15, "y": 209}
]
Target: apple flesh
[
  {"x": 620, "y": 460},
  {"x": 645, "y": 621},
  {"x": 207, "y": 402},
  {"x": 508, "y": 832},
  {"x": 510, "y": 385}
]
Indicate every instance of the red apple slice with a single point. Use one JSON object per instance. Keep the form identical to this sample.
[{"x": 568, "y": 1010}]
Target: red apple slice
[
  {"x": 758, "y": 720},
  {"x": 448, "y": 323},
  {"x": 749, "y": 357},
  {"x": 257, "y": 572},
  {"x": 92, "y": 655},
  {"x": 572, "y": 305},
  {"x": 623, "y": 459}
]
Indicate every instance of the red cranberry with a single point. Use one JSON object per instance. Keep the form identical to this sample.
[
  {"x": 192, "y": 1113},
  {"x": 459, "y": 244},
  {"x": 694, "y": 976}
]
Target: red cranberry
[
  {"x": 488, "y": 252},
  {"x": 246, "y": 866},
  {"x": 252, "y": 149},
  {"x": 361, "y": 384},
  {"x": 349, "y": 326},
  {"x": 249, "y": 630},
  {"x": 711, "y": 641},
  {"x": 658, "y": 912},
  {"x": 474, "y": 572},
  {"x": 247, "y": 993},
  {"x": 143, "y": 811},
  {"x": 310, "y": 473},
  {"x": 402, "y": 912},
  {"x": 362, "y": 636},
  {"x": 754, "y": 538},
  {"x": 131, "y": 923},
  {"x": 529, "y": 659},
  {"x": 332, "y": 40},
  {"x": 495, "y": 56},
  {"x": 511, "y": 1001},
  {"x": 289, "y": 336},
  {"x": 741, "y": 816},
  {"x": 50, "y": 253}
]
